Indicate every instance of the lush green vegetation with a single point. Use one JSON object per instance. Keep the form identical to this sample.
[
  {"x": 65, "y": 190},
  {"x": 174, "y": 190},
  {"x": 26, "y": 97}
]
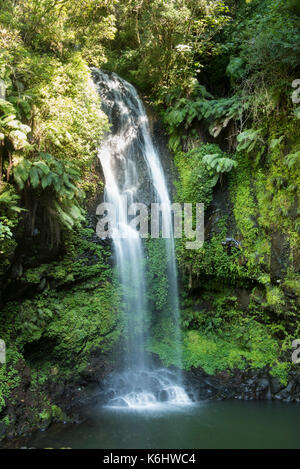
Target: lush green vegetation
[
  {"x": 225, "y": 98},
  {"x": 219, "y": 74},
  {"x": 51, "y": 120},
  {"x": 50, "y": 126}
]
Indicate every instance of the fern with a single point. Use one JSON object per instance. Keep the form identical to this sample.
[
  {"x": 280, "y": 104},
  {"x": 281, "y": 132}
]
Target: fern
[
  {"x": 47, "y": 172},
  {"x": 248, "y": 140},
  {"x": 236, "y": 68},
  {"x": 276, "y": 141},
  {"x": 218, "y": 163},
  {"x": 174, "y": 142},
  {"x": 9, "y": 209},
  {"x": 293, "y": 160},
  {"x": 54, "y": 184},
  {"x": 217, "y": 112},
  {"x": 9, "y": 200},
  {"x": 13, "y": 129}
]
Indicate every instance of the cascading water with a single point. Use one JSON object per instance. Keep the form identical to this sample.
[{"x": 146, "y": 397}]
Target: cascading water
[{"x": 132, "y": 168}]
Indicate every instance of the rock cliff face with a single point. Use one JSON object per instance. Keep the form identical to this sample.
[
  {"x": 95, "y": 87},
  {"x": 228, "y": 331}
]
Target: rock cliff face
[{"x": 270, "y": 248}]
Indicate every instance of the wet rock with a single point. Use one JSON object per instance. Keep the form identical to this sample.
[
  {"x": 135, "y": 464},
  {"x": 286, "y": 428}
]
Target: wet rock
[
  {"x": 243, "y": 385},
  {"x": 231, "y": 242},
  {"x": 3, "y": 430},
  {"x": 263, "y": 384},
  {"x": 243, "y": 297},
  {"x": 280, "y": 254},
  {"x": 43, "y": 427},
  {"x": 163, "y": 396},
  {"x": 262, "y": 388},
  {"x": 276, "y": 385},
  {"x": 24, "y": 428},
  {"x": 286, "y": 394}
]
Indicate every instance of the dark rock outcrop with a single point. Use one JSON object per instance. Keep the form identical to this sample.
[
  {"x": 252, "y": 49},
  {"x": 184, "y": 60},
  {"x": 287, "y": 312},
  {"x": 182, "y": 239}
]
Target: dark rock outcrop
[{"x": 243, "y": 385}]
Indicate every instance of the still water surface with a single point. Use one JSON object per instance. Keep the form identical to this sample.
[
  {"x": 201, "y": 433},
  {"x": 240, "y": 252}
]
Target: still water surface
[{"x": 222, "y": 424}]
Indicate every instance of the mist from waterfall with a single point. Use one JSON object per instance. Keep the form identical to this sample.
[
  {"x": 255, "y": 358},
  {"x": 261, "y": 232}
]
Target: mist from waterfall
[{"x": 132, "y": 168}]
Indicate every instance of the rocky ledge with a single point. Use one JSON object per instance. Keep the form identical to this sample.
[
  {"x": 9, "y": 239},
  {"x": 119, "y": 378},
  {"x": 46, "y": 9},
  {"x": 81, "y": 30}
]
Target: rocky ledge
[{"x": 243, "y": 385}]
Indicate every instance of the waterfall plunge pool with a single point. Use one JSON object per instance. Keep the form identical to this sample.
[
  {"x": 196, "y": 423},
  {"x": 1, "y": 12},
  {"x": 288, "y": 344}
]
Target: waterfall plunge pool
[{"x": 207, "y": 424}]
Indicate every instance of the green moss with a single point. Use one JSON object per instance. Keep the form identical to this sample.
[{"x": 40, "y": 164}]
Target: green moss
[
  {"x": 196, "y": 179},
  {"x": 83, "y": 259},
  {"x": 292, "y": 284},
  {"x": 56, "y": 333},
  {"x": 45, "y": 415},
  {"x": 57, "y": 414},
  {"x": 275, "y": 298},
  {"x": 281, "y": 370},
  {"x": 9, "y": 375},
  {"x": 67, "y": 325},
  {"x": 84, "y": 322},
  {"x": 6, "y": 420},
  {"x": 243, "y": 343},
  {"x": 264, "y": 189},
  {"x": 210, "y": 353},
  {"x": 157, "y": 276},
  {"x": 214, "y": 260}
]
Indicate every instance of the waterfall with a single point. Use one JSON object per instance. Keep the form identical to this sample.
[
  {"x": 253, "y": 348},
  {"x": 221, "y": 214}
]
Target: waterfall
[{"x": 132, "y": 168}]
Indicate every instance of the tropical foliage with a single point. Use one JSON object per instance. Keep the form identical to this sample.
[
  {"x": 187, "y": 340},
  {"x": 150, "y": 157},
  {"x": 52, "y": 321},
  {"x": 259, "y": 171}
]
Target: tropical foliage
[{"x": 224, "y": 77}]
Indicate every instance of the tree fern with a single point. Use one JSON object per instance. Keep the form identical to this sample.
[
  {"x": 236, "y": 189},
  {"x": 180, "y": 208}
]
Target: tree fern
[
  {"x": 248, "y": 139},
  {"x": 216, "y": 112},
  {"x": 9, "y": 200},
  {"x": 293, "y": 160},
  {"x": 53, "y": 185},
  {"x": 219, "y": 163}
]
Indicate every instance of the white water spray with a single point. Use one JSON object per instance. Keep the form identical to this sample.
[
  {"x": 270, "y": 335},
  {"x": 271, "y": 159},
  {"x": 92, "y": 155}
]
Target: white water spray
[{"x": 132, "y": 168}]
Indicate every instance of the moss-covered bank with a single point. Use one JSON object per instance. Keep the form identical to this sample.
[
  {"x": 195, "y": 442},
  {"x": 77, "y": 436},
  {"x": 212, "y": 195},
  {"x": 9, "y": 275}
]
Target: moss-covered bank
[
  {"x": 60, "y": 338},
  {"x": 240, "y": 291}
]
